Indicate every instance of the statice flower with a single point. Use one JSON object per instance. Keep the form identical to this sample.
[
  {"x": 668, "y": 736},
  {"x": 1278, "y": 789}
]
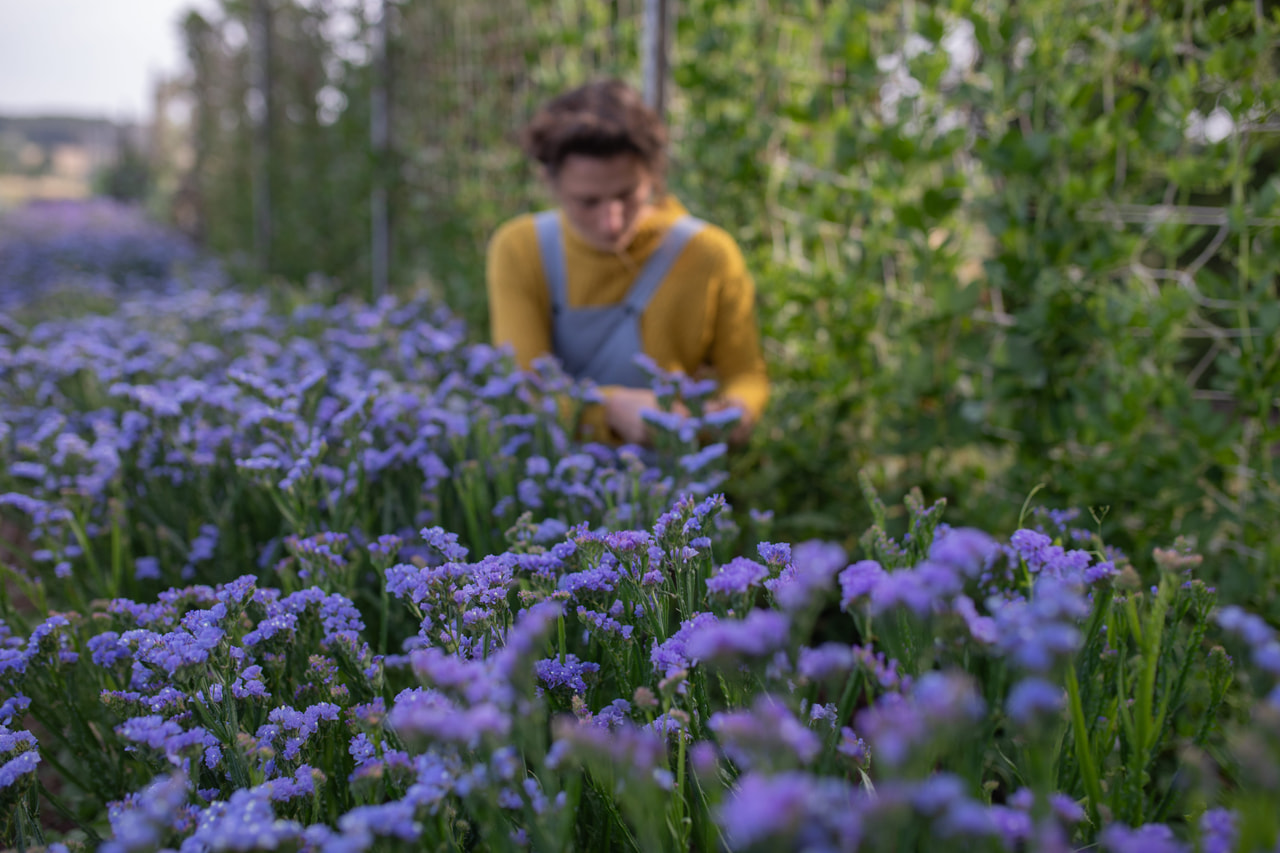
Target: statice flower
[
  {"x": 248, "y": 684},
  {"x": 964, "y": 549},
  {"x": 146, "y": 569},
  {"x": 791, "y": 811},
  {"x": 775, "y": 554},
  {"x": 825, "y": 661},
  {"x": 638, "y": 754},
  {"x": 1038, "y": 632},
  {"x": 1034, "y": 699},
  {"x": 1264, "y": 647},
  {"x": 759, "y": 635},
  {"x": 432, "y": 715},
  {"x": 858, "y": 581},
  {"x": 736, "y": 577},
  {"x": 24, "y": 762},
  {"x": 981, "y": 628},
  {"x": 568, "y": 674},
  {"x": 606, "y": 623},
  {"x": 13, "y": 707},
  {"x": 881, "y": 668},
  {"x": 921, "y": 589},
  {"x": 245, "y": 822},
  {"x": 808, "y": 576},
  {"x": 294, "y": 727},
  {"x": 1044, "y": 557},
  {"x": 767, "y": 736},
  {"x": 142, "y": 821},
  {"x": 671, "y": 656},
  {"x": 613, "y": 715},
  {"x": 173, "y": 652},
  {"x": 301, "y": 784},
  {"x": 603, "y": 578},
  {"x": 361, "y": 826},
  {"x": 1219, "y": 831},
  {"x": 695, "y": 462},
  {"x": 1150, "y": 838},
  {"x": 202, "y": 548},
  {"x": 445, "y": 543},
  {"x": 899, "y": 723}
]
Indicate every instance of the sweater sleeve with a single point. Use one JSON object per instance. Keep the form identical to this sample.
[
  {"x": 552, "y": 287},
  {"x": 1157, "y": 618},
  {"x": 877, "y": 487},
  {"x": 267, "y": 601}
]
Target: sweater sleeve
[
  {"x": 519, "y": 307},
  {"x": 735, "y": 337}
]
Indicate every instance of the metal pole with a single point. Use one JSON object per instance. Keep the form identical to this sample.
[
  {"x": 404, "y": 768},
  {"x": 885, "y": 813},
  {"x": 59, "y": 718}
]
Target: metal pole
[
  {"x": 657, "y": 22},
  {"x": 380, "y": 140},
  {"x": 259, "y": 107}
]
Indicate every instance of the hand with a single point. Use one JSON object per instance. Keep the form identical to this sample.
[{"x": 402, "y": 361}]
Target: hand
[
  {"x": 742, "y": 429},
  {"x": 624, "y": 410}
]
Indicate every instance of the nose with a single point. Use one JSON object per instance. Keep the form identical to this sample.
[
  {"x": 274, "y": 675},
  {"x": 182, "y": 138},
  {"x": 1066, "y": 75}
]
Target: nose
[{"x": 612, "y": 218}]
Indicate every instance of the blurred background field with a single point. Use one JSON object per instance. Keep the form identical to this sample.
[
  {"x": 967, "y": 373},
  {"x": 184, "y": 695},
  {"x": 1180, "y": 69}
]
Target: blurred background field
[{"x": 1001, "y": 249}]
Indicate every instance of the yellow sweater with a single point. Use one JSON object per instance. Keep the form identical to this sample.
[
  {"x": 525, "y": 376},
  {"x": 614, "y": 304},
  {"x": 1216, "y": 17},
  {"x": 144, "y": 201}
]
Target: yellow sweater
[{"x": 703, "y": 314}]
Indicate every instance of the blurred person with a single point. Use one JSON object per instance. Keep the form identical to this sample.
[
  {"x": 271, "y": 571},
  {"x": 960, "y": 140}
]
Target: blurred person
[{"x": 620, "y": 268}]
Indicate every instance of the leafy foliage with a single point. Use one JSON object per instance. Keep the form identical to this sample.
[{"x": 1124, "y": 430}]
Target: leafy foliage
[{"x": 998, "y": 245}]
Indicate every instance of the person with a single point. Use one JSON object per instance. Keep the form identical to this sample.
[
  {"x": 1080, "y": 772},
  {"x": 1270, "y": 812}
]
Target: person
[{"x": 620, "y": 268}]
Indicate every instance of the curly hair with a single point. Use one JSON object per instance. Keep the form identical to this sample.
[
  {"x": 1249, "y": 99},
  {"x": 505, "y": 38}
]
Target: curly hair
[{"x": 600, "y": 119}]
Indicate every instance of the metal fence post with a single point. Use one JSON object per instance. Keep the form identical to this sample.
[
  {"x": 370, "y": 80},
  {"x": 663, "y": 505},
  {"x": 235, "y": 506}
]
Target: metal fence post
[
  {"x": 380, "y": 139},
  {"x": 260, "y": 118},
  {"x": 657, "y": 23}
]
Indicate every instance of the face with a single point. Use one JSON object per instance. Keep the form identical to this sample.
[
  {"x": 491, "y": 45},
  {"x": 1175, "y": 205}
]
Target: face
[{"x": 604, "y": 198}]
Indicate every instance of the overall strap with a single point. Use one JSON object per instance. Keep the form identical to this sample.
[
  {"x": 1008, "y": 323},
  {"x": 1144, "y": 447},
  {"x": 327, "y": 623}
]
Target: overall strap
[
  {"x": 551, "y": 247},
  {"x": 660, "y": 262}
]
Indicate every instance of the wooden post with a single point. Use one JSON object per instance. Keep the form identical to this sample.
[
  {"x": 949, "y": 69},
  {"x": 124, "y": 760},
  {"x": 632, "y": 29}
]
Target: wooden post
[
  {"x": 657, "y": 26},
  {"x": 380, "y": 142}
]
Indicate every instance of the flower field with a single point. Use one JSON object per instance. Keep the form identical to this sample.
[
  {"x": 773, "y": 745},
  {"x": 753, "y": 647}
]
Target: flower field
[{"x": 293, "y": 576}]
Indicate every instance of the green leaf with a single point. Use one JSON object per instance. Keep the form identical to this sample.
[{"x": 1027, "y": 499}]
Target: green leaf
[{"x": 938, "y": 202}]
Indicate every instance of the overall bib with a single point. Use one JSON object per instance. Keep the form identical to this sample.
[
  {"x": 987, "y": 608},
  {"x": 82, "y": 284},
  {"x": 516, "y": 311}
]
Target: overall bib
[{"x": 600, "y": 342}]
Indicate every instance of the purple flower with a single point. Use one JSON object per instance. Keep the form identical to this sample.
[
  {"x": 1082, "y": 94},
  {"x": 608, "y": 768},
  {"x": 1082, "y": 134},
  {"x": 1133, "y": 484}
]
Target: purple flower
[
  {"x": 12, "y": 707},
  {"x": 1013, "y": 825},
  {"x": 981, "y": 628},
  {"x": 919, "y": 589},
  {"x": 791, "y": 811},
  {"x": 1150, "y": 838},
  {"x": 1219, "y": 831},
  {"x": 245, "y": 822},
  {"x": 672, "y": 655},
  {"x": 898, "y": 723},
  {"x": 808, "y": 576},
  {"x": 736, "y": 577},
  {"x": 146, "y": 568},
  {"x": 432, "y": 715},
  {"x": 15, "y": 768},
  {"x": 774, "y": 554},
  {"x": 1034, "y": 699},
  {"x": 858, "y": 581},
  {"x": 964, "y": 549},
  {"x": 766, "y": 736},
  {"x": 605, "y": 623},
  {"x": 570, "y": 674},
  {"x": 825, "y": 661},
  {"x": 760, "y": 634},
  {"x": 141, "y": 820},
  {"x": 1037, "y": 633}
]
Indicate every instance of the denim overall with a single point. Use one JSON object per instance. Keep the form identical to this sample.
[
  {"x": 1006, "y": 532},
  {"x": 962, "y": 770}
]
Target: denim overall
[{"x": 601, "y": 342}]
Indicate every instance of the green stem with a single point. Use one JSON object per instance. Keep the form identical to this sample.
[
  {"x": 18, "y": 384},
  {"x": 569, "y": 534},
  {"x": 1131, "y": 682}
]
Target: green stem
[{"x": 1084, "y": 750}]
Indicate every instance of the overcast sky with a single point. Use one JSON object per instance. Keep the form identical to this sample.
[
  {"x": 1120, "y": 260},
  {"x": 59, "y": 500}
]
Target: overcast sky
[{"x": 88, "y": 57}]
